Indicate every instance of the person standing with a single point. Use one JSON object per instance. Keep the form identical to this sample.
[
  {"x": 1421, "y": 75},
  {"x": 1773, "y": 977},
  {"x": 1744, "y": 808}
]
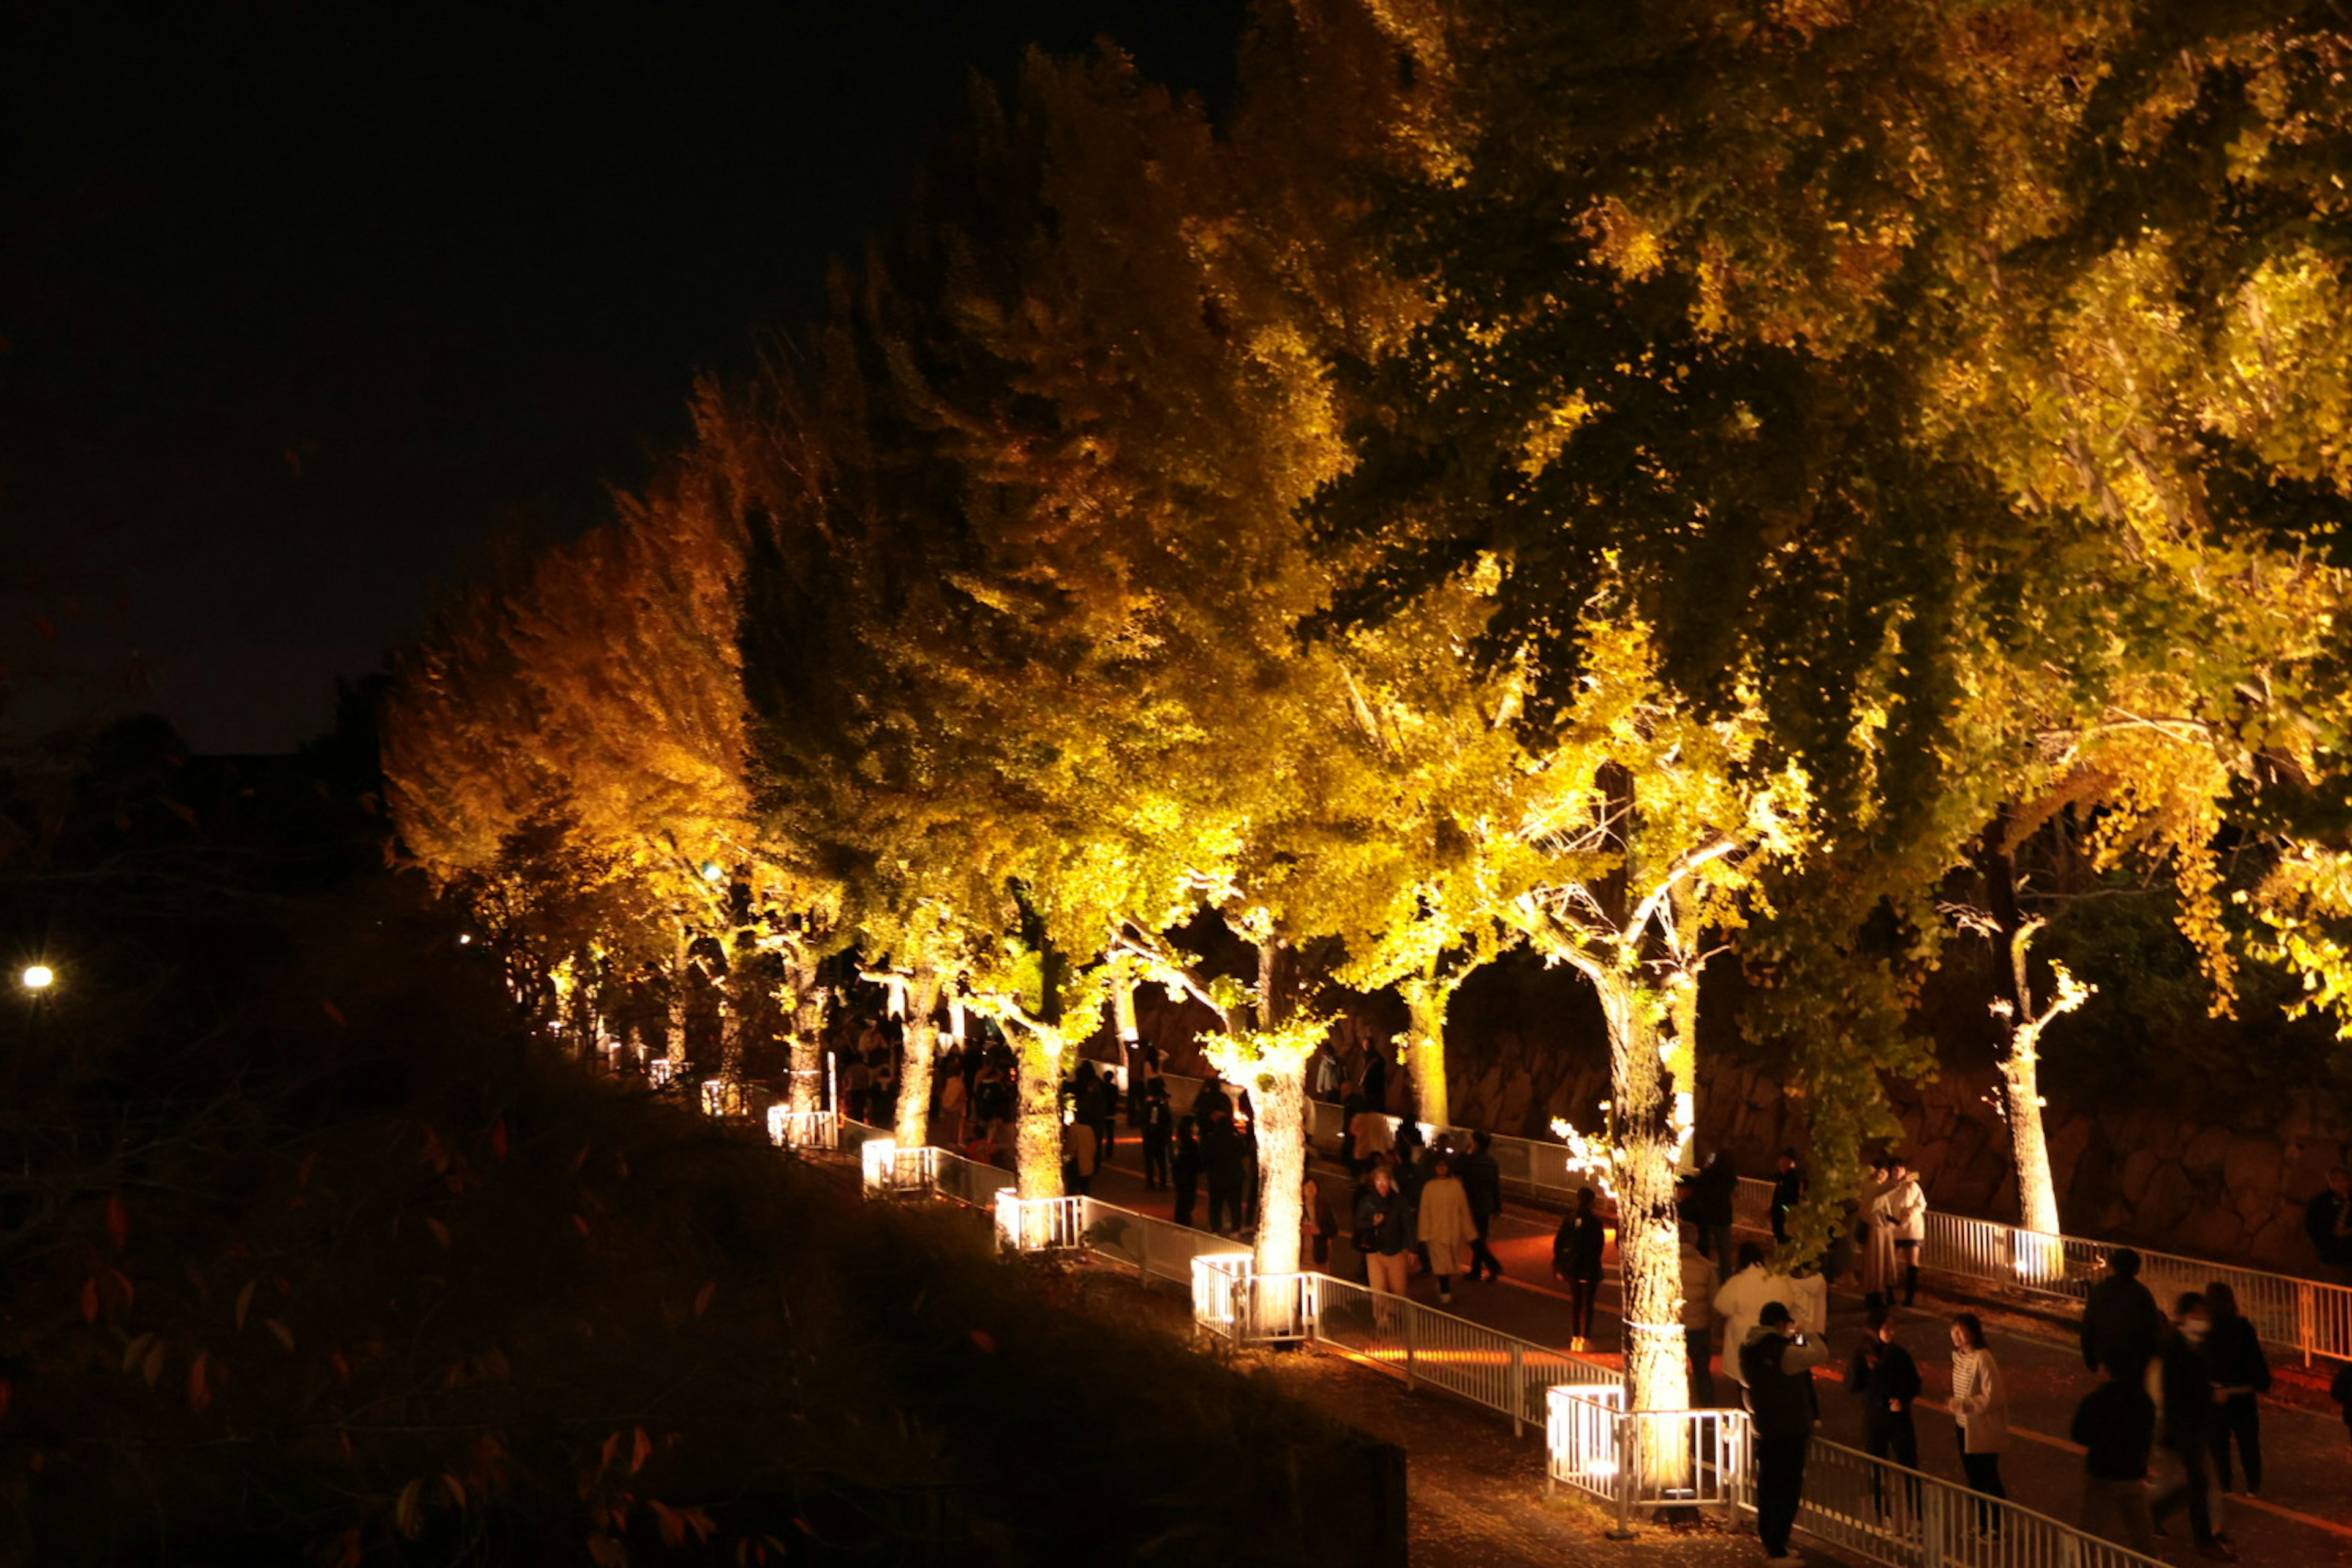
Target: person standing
[
  {"x": 1380, "y": 1233},
  {"x": 1324, "y": 1081},
  {"x": 1699, "y": 1285},
  {"x": 1159, "y": 1119},
  {"x": 1442, "y": 1224},
  {"x": 1715, "y": 1195},
  {"x": 1776, "y": 1365},
  {"x": 2241, "y": 1374},
  {"x": 1905, "y": 1205},
  {"x": 1372, "y": 1136},
  {"x": 2116, "y": 1424},
  {"x": 1482, "y": 1179},
  {"x": 1576, "y": 1256},
  {"x": 1186, "y": 1170},
  {"x": 1885, "y": 1378},
  {"x": 2121, "y": 1321},
  {"x": 2183, "y": 1395},
  {"x": 1221, "y": 1162},
  {"x": 1318, "y": 1224},
  {"x": 1877, "y": 1238},
  {"x": 2327, "y": 1220},
  {"x": 1788, "y": 1192},
  {"x": 1980, "y": 1410},
  {"x": 1078, "y": 1155},
  {"x": 1376, "y": 1081}
]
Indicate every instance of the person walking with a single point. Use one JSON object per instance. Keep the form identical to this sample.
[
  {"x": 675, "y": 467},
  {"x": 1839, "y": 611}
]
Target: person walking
[
  {"x": 1885, "y": 1378},
  {"x": 1905, "y": 1207},
  {"x": 1776, "y": 1367},
  {"x": 1482, "y": 1179},
  {"x": 1078, "y": 1161},
  {"x": 2241, "y": 1374},
  {"x": 1980, "y": 1411},
  {"x": 1380, "y": 1233},
  {"x": 1442, "y": 1224},
  {"x": 1318, "y": 1223},
  {"x": 1159, "y": 1119},
  {"x": 1186, "y": 1170},
  {"x": 2183, "y": 1395},
  {"x": 2116, "y": 1424},
  {"x": 1788, "y": 1192},
  {"x": 2121, "y": 1321},
  {"x": 1576, "y": 1256},
  {"x": 1699, "y": 1286}
]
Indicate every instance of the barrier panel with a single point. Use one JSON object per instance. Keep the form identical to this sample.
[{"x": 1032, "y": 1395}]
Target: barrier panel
[
  {"x": 789, "y": 1129},
  {"x": 1507, "y": 1374},
  {"x": 1038, "y": 1224},
  {"x": 1220, "y": 1293},
  {"x": 1156, "y": 1248},
  {"x": 1646, "y": 1460},
  {"x": 1882, "y": 1512},
  {"x": 890, "y": 1171}
]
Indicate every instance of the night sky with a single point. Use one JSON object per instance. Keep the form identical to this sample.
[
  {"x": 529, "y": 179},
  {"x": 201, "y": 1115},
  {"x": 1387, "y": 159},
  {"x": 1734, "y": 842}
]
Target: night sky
[{"x": 300, "y": 304}]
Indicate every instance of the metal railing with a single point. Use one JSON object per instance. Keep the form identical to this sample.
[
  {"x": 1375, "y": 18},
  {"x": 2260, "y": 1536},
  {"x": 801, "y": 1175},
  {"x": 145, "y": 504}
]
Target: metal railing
[
  {"x": 890, "y": 1171},
  {"x": 1882, "y": 1512},
  {"x": 1507, "y": 1374},
  {"x": 789, "y": 1129},
  {"x": 1646, "y": 1460},
  {"x": 1038, "y": 1224},
  {"x": 1221, "y": 1294},
  {"x": 1155, "y": 1249},
  {"x": 2310, "y": 1318}
]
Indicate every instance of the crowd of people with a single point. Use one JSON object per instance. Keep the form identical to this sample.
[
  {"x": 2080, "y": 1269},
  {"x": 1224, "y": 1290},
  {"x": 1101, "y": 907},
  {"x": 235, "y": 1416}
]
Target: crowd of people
[{"x": 2177, "y": 1391}]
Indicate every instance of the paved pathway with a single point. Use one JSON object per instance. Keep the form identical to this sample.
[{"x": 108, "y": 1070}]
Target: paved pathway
[{"x": 2304, "y": 1516}]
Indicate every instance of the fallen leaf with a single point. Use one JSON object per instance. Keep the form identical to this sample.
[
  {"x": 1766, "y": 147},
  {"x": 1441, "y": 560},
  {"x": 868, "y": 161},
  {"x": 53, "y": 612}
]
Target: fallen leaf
[
  {"x": 245, "y": 1302},
  {"x": 200, "y": 1390},
  {"x": 89, "y": 1299},
  {"x": 333, "y": 1011},
  {"x": 984, "y": 1340},
  {"x": 440, "y": 1232},
  {"x": 702, "y": 1298},
  {"x": 117, "y": 1222},
  {"x": 284, "y": 1335}
]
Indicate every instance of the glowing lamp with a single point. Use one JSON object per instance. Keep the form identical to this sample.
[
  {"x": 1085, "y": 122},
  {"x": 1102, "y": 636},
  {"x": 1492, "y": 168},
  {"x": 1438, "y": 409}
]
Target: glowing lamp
[
  {"x": 465, "y": 939},
  {"x": 37, "y": 977},
  {"x": 879, "y": 1157},
  {"x": 713, "y": 871}
]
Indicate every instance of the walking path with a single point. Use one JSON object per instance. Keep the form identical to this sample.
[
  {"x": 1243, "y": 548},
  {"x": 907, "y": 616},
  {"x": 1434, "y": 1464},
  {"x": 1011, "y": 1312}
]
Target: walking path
[{"x": 2304, "y": 1518}]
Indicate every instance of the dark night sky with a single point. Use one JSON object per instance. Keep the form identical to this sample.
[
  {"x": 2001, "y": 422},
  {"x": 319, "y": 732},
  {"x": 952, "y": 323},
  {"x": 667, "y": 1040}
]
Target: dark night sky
[{"x": 302, "y": 302}]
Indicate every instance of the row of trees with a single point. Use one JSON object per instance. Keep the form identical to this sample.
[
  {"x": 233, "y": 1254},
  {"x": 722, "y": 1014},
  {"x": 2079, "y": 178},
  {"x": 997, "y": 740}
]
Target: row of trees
[{"x": 1627, "y": 480}]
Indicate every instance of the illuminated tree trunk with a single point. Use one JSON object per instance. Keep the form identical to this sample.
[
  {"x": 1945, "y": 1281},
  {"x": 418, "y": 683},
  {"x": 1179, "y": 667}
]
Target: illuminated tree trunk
[
  {"x": 681, "y": 966},
  {"x": 2019, "y": 1052},
  {"x": 1037, "y": 1130},
  {"x": 1426, "y": 1000},
  {"x": 1279, "y": 1093},
  {"x": 1682, "y": 1072},
  {"x": 806, "y": 1097},
  {"x": 920, "y": 1052}
]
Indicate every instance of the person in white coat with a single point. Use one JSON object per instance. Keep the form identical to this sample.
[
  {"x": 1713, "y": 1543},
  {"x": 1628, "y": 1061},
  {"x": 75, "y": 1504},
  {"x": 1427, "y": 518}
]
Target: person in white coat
[
  {"x": 1905, "y": 1207},
  {"x": 1980, "y": 1409},
  {"x": 1742, "y": 1298}
]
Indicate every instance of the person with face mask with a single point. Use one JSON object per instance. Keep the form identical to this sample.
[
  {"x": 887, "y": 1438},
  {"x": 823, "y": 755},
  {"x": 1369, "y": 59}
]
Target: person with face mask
[{"x": 1980, "y": 1409}]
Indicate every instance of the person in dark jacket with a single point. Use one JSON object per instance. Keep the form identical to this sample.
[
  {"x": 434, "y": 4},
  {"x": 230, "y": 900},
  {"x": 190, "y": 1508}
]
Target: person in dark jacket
[
  {"x": 1376, "y": 1078},
  {"x": 2116, "y": 1424},
  {"x": 2340, "y": 1391},
  {"x": 1885, "y": 1378},
  {"x": 2121, "y": 1320},
  {"x": 1714, "y": 1193},
  {"x": 1788, "y": 1192},
  {"x": 1576, "y": 1254},
  {"x": 1382, "y": 1230},
  {"x": 1318, "y": 1222},
  {"x": 2327, "y": 1220},
  {"x": 1776, "y": 1362},
  {"x": 2240, "y": 1373},
  {"x": 1159, "y": 1121},
  {"x": 1222, "y": 1162},
  {"x": 1482, "y": 1179},
  {"x": 2184, "y": 1425},
  {"x": 1187, "y": 1170}
]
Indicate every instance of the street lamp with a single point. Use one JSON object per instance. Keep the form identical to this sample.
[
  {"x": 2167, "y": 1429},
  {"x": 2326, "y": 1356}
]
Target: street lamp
[{"x": 37, "y": 977}]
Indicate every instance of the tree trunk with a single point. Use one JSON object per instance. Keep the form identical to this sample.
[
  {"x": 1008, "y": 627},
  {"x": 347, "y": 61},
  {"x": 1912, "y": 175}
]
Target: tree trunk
[
  {"x": 2019, "y": 1054},
  {"x": 1278, "y": 1093},
  {"x": 1037, "y": 1136},
  {"x": 806, "y": 1097},
  {"x": 1681, "y": 1072},
  {"x": 1425, "y": 1002},
  {"x": 674, "y": 1035},
  {"x": 1649, "y": 1241},
  {"x": 919, "y": 1052}
]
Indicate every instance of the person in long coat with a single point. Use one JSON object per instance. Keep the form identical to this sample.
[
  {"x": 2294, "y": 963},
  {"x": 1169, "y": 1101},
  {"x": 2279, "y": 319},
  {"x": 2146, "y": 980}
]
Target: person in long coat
[
  {"x": 1445, "y": 1224},
  {"x": 1881, "y": 1267}
]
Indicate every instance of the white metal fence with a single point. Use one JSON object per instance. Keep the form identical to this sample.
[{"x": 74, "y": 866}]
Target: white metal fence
[
  {"x": 1423, "y": 1345},
  {"x": 2308, "y": 1317},
  {"x": 1646, "y": 1460},
  {"x": 1885, "y": 1513}
]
